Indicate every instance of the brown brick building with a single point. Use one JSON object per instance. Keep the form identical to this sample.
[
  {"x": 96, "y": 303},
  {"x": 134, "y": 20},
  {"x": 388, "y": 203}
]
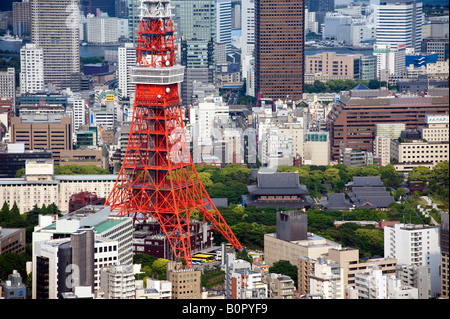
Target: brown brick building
[
  {"x": 353, "y": 120},
  {"x": 44, "y": 132},
  {"x": 279, "y": 48}
]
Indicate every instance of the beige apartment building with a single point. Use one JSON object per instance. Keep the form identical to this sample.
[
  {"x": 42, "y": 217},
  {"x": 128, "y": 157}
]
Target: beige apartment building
[
  {"x": 348, "y": 260},
  {"x": 39, "y": 186},
  {"x": 427, "y": 151},
  {"x": 331, "y": 66},
  {"x": 419, "y": 153},
  {"x": 12, "y": 240},
  {"x": 277, "y": 249},
  {"x": 185, "y": 281}
]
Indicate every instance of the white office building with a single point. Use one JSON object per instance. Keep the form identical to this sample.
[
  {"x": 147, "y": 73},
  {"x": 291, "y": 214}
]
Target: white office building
[
  {"x": 397, "y": 290},
  {"x": 415, "y": 245},
  {"x": 390, "y": 60},
  {"x": 248, "y": 27},
  {"x": 102, "y": 30},
  {"x": 223, "y": 23},
  {"x": 79, "y": 112},
  {"x": 382, "y": 148},
  {"x": 117, "y": 282},
  {"x": 127, "y": 57},
  {"x": 247, "y": 284},
  {"x": 207, "y": 120},
  {"x": 31, "y": 69},
  {"x": 112, "y": 244},
  {"x": 371, "y": 284},
  {"x": 399, "y": 22},
  {"x": 327, "y": 280}
]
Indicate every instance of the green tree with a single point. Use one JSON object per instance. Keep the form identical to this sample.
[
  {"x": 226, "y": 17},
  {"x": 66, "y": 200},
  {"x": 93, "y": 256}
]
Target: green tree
[
  {"x": 20, "y": 173},
  {"x": 420, "y": 173},
  {"x": 374, "y": 84},
  {"x": 354, "y": 171},
  {"x": 237, "y": 173},
  {"x": 15, "y": 214},
  {"x": 12, "y": 261},
  {"x": 243, "y": 254},
  {"x": 441, "y": 172},
  {"x": 205, "y": 179},
  {"x": 331, "y": 175},
  {"x": 144, "y": 260},
  {"x": 374, "y": 239},
  {"x": 390, "y": 177},
  {"x": 159, "y": 267},
  {"x": 399, "y": 192},
  {"x": 370, "y": 170},
  {"x": 5, "y": 215},
  {"x": 80, "y": 170}
]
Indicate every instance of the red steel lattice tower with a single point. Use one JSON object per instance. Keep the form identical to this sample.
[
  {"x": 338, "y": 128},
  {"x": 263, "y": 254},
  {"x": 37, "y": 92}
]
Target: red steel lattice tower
[{"x": 158, "y": 178}]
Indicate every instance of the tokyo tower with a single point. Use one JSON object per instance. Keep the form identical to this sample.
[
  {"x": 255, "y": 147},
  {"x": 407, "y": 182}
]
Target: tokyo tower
[{"x": 158, "y": 178}]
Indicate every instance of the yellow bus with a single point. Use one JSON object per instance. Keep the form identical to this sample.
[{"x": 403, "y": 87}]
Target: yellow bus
[{"x": 206, "y": 258}]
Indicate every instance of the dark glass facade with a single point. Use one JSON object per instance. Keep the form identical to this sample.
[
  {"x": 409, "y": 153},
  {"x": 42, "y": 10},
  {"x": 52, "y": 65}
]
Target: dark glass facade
[{"x": 279, "y": 48}]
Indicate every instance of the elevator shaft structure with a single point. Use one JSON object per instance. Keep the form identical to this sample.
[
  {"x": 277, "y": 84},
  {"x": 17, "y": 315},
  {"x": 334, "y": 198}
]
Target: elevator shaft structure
[{"x": 158, "y": 179}]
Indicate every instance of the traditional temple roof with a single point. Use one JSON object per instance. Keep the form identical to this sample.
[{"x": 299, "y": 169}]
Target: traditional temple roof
[
  {"x": 277, "y": 183},
  {"x": 360, "y": 181},
  {"x": 336, "y": 201}
]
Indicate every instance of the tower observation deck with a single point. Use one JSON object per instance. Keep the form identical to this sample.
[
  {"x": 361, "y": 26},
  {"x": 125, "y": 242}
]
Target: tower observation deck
[{"x": 158, "y": 179}]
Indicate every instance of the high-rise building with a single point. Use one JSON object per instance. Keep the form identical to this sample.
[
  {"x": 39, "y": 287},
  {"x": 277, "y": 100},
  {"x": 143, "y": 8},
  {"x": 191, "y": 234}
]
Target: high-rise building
[
  {"x": 248, "y": 44},
  {"x": 445, "y": 261},
  {"x": 102, "y": 29},
  {"x": 195, "y": 23},
  {"x": 248, "y": 27},
  {"x": 320, "y": 5},
  {"x": 90, "y": 238},
  {"x": 390, "y": 60},
  {"x": 127, "y": 57},
  {"x": 279, "y": 48},
  {"x": 21, "y": 18},
  {"x": 55, "y": 28},
  {"x": 327, "y": 280},
  {"x": 93, "y": 6},
  {"x": 8, "y": 85},
  {"x": 415, "y": 276},
  {"x": 79, "y": 115},
  {"x": 320, "y": 8},
  {"x": 327, "y": 66},
  {"x": 399, "y": 22},
  {"x": 436, "y": 45},
  {"x": 415, "y": 245},
  {"x": 31, "y": 69},
  {"x": 122, "y": 9},
  {"x": 368, "y": 68},
  {"x": 371, "y": 284},
  {"x": 62, "y": 264},
  {"x": 223, "y": 23}
]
